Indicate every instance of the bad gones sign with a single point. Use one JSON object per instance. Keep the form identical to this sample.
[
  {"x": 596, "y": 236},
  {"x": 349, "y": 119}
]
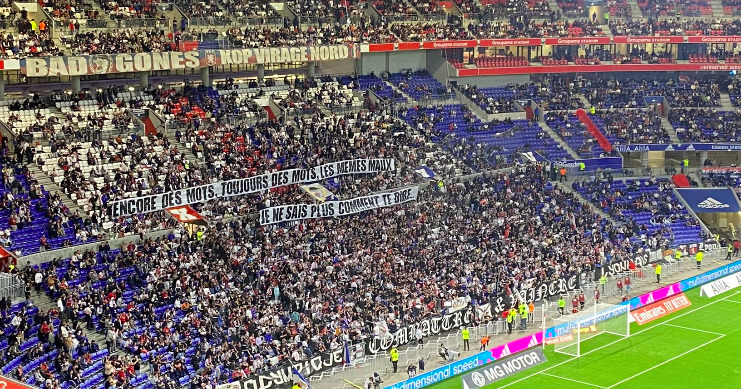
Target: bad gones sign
[
  {"x": 503, "y": 368},
  {"x": 176, "y": 60},
  {"x": 296, "y": 212},
  {"x": 249, "y": 185},
  {"x": 282, "y": 377}
]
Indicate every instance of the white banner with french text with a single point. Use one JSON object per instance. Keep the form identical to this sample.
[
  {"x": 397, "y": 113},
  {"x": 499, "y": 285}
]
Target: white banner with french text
[
  {"x": 296, "y": 212},
  {"x": 243, "y": 186}
]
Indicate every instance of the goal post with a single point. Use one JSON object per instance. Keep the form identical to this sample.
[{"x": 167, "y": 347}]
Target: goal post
[{"x": 569, "y": 337}]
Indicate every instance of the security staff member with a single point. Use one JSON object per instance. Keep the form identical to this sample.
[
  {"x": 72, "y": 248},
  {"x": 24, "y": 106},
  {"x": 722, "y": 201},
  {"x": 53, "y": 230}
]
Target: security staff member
[
  {"x": 685, "y": 165},
  {"x": 582, "y": 166},
  {"x": 730, "y": 252},
  {"x": 698, "y": 258},
  {"x": 561, "y": 305},
  {"x": 678, "y": 254},
  {"x": 395, "y": 358},
  {"x": 603, "y": 281},
  {"x": 296, "y": 386},
  {"x": 511, "y": 319},
  {"x": 658, "y": 273},
  {"x": 531, "y": 311},
  {"x": 466, "y": 336},
  {"x": 523, "y": 316}
]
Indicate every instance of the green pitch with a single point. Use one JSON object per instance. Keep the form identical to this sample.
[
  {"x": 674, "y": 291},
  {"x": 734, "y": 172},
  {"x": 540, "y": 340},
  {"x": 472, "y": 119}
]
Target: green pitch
[{"x": 696, "y": 348}]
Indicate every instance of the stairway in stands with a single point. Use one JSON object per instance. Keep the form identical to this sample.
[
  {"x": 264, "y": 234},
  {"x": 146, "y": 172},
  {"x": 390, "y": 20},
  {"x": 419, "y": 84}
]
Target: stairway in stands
[{"x": 573, "y": 154}]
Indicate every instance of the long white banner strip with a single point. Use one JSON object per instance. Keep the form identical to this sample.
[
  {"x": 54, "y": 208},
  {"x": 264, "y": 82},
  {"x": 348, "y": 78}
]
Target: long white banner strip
[
  {"x": 724, "y": 284},
  {"x": 295, "y": 212},
  {"x": 249, "y": 185}
]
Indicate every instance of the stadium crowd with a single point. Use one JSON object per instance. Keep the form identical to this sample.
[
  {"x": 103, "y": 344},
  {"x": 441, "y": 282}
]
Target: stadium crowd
[
  {"x": 164, "y": 300},
  {"x": 706, "y": 125}
]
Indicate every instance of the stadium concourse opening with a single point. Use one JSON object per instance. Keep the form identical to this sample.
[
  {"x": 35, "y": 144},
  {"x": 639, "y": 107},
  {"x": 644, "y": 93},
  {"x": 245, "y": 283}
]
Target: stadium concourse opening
[{"x": 717, "y": 208}]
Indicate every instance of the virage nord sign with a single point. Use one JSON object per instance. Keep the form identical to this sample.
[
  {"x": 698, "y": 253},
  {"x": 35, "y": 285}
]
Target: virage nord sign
[{"x": 177, "y": 60}]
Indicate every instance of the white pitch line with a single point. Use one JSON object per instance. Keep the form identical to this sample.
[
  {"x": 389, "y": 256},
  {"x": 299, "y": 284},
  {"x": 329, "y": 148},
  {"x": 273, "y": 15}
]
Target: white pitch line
[
  {"x": 696, "y": 329},
  {"x": 619, "y": 340},
  {"x": 667, "y": 361},
  {"x": 733, "y": 301},
  {"x": 572, "y": 380}
]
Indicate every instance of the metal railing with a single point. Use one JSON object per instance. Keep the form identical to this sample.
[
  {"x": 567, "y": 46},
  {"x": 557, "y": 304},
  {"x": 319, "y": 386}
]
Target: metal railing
[
  {"x": 225, "y": 21},
  {"x": 574, "y": 174},
  {"x": 63, "y": 25},
  {"x": 11, "y": 286}
]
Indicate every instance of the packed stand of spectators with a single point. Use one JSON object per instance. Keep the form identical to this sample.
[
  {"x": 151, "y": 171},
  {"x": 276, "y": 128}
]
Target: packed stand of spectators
[
  {"x": 428, "y": 7},
  {"x": 623, "y": 126},
  {"x": 430, "y": 31},
  {"x": 126, "y": 9},
  {"x": 657, "y": 8},
  {"x": 630, "y": 93},
  {"x": 538, "y": 9},
  {"x": 706, "y": 125},
  {"x": 66, "y": 10},
  {"x": 731, "y": 178},
  {"x": 238, "y": 150},
  {"x": 675, "y": 27},
  {"x": 607, "y": 94},
  {"x": 572, "y": 8},
  {"x": 175, "y": 316},
  {"x": 227, "y": 9},
  {"x": 560, "y": 28},
  {"x": 27, "y": 43},
  {"x": 652, "y": 214},
  {"x": 695, "y": 8},
  {"x": 569, "y": 128},
  {"x": 254, "y": 37},
  {"x": 731, "y": 7},
  {"x": 698, "y": 93},
  {"x": 119, "y": 41},
  {"x": 618, "y": 8}
]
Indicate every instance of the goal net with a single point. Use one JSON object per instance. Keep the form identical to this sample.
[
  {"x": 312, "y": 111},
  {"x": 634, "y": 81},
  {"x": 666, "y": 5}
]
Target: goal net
[{"x": 570, "y": 335}]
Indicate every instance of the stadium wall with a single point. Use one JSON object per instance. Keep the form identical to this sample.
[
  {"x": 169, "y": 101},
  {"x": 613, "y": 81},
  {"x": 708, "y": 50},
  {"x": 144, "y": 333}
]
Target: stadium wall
[
  {"x": 373, "y": 62},
  {"x": 485, "y": 357}
]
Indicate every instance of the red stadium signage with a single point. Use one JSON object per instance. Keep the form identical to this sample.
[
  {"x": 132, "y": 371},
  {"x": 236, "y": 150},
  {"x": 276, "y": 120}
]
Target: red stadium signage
[
  {"x": 378, "y": 48},
  {"x": 714, "y": 39},
  {"x": 647, "y": 39},
  {"x": 660, "y": 309},
  {"x": 449, "y": 44},
  {"x": 7, "y": 383},
  {"x": 404, "y": 46},
  {"x": 510, "y": 42},
  {"x": 499, "y": 71},
  {"x": 599, "y": 40}
]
